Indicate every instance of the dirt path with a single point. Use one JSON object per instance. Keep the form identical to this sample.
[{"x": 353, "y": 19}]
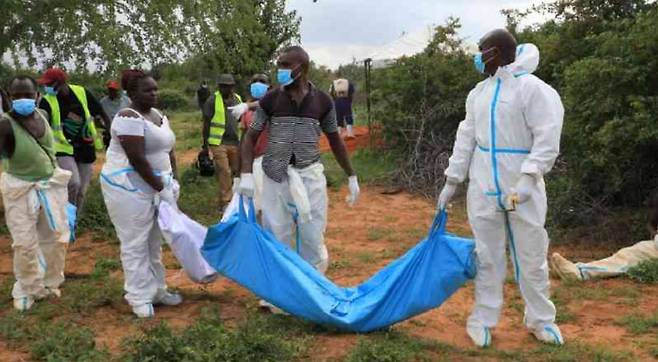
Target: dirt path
[{"x": 361, "y": 240}]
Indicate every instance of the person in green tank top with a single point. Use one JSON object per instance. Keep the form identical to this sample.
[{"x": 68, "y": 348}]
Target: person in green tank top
[{"x": 31, "y": 177}]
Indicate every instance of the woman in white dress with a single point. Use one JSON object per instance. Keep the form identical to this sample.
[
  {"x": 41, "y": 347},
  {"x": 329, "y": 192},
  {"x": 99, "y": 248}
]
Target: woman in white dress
[{"x": 139, "y": 173}]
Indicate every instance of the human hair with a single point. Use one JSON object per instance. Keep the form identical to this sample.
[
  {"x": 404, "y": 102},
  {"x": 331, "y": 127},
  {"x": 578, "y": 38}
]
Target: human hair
[
  {"x": 130, "y": 80},
  {"x": 302, "y": 55},
  {"x": 21, "y": 77}
]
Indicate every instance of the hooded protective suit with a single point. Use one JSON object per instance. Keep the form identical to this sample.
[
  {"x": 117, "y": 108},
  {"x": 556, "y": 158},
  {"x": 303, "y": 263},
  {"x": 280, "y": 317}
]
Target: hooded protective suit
[{"x": 512, "y": 127}]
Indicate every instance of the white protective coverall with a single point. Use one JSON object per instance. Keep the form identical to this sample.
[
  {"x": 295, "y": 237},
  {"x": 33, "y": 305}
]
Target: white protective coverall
[
  {"x": 259, "y": 179},
  {"x": 131, "y": 204},
  {"x": 302, "y": 196},
  {"x": 37, "y": 220},
  {"x": 512, "y": 126},
  {"x": 612, "y": 266}
]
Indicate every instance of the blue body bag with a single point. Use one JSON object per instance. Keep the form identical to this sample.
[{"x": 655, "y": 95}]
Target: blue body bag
[{"x": 420, "y": 280}]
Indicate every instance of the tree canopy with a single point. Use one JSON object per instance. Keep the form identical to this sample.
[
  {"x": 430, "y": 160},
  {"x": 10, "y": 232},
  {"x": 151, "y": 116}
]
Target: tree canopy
[{"x": 110, "y": 34}]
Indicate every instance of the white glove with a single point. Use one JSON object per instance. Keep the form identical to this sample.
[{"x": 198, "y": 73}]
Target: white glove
[
  {"x": 354, "y": 191},
  {"x": 236, "y": 184},
  {"x": 446, "y": 195},
  {"x": 523, "y": 189},
  {"x": 166, "y": 195},
  {"x": 175, "y": 188},
  {"x": 246, "y": 185},
  {"x": 238, "y": 111}
]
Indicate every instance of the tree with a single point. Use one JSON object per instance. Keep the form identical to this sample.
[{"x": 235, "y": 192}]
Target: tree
[
  {"x": 239, "y": 37},
  {"x": 111, "y": 34}
]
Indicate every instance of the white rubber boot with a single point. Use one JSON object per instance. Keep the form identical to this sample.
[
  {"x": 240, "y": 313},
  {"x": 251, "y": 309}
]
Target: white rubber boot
[
  {"x": 144, "y": 311},
  {"x": 480, "y": 335},
  {"x": 549, "y": 334}
]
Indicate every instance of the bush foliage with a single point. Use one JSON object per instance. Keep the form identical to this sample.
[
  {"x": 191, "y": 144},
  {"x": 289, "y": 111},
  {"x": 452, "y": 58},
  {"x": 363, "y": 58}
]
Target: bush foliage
[{"x": 599, "y": 55}]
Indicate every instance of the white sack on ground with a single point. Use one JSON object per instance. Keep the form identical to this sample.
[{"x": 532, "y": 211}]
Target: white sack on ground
[{"x": 185, "y": 237}]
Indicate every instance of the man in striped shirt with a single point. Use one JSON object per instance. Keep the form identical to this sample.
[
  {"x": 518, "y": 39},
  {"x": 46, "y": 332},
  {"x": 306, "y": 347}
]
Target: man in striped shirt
[{"x": 294, "y": 187}]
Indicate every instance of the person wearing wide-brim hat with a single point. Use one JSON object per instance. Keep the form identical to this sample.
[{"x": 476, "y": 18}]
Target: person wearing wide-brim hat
[{"x": 221, "y": 135}]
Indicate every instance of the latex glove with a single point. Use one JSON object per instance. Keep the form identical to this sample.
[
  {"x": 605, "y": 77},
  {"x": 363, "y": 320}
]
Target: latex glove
[
  {"x": 246, "y": 187},
  {"x": 238, "y": 111},
  {"x": 523, "y": 190},
  {"x": 175, "y": 188},
  {"x": 236, "y": 184},
  {"x": 353, "y": 184},
  {"x": 447, "y": 192},
  {"x": 166, "y": 195}
]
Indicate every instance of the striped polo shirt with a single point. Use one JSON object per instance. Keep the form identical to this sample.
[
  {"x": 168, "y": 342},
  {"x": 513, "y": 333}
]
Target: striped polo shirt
[{"x": 294, "y": 130}]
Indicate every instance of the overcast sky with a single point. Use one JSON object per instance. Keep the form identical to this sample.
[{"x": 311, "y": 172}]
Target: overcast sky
[{"x": 336, "y": 31}]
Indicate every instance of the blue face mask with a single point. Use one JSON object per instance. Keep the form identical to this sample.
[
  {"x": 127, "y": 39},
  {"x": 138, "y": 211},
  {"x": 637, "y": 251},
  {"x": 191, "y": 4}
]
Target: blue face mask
[
  {"x": 284, "y": 77},
  {"x": 50, "y": 90},
  {"x": 258, "y": 90},
  {"x": 480, "y": 64},
  {"x": 24, "y": 106}
]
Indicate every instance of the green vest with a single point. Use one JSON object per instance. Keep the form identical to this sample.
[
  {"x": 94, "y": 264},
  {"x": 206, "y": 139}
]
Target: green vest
[
  {"x": 30, "y": 162},
  {"x": 218, "y": 121},
  {"x": 61, "y": 144}
]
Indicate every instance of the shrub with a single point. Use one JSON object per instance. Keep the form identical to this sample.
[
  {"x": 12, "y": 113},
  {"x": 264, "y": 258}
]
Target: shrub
[
  {"x": 645, "y": 272},
  {"x": 172, "y": 99},
  {"x": 209, "y": 340}
]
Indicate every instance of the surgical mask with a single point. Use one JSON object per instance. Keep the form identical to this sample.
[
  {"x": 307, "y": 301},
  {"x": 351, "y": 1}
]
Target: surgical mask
[
  {"x": 24, "y": 106},
  {"x": 258, "y": 90},
  {"x": 50, "y": 90},
  {"x": 479, "y": 64},
  {"x": 284, "y": 77}
]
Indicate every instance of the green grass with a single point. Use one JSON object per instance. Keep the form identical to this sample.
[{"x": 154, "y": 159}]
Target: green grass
[
  {"x": 94, "y": 218},
  {"x": 371, "y": 166},
  {"x": 640, "y": 324},
  {"x": 259, "y": 338},
  {"x": 85, "y": 296},
  {"x": 187, "y": 126},
  {"x": 388, "y": 347},
  {"x": 645, "y": 272},
  {"x": 198, "y": 197},
  {"x": 47, "y": 339},
  {"x": 377, "y": 233}
]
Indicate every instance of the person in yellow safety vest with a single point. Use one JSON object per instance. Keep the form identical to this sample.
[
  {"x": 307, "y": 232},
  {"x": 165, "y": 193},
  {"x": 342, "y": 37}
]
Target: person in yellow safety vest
[
  {"x": 72, "y": 111},
  {"x": 221, "y": 136}
]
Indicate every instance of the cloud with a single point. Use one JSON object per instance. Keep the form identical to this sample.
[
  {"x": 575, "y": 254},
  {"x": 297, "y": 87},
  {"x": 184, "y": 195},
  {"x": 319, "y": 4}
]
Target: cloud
[{"x": 336, "y": 31}]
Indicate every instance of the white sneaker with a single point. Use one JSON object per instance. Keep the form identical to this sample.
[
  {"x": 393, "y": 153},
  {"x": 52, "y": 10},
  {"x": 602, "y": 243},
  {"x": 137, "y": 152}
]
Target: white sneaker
[
  {"x": 55, "y": 291},
  {"x": 271, "y": 307},
  {"x": 167, "y": 298},
  {"x": 23, "y": 304},
  {"x": 550, "y": 334},
  {"x": 480, "y": 335},
  {"x": 144, "y": 311},
  {"x": 564, "y": 268}
]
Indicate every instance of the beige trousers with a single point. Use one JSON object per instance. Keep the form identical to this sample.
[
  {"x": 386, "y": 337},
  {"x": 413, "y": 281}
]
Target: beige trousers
[
  {"x": 36, "y": 218},
  {"x": 227, "y": 163}
]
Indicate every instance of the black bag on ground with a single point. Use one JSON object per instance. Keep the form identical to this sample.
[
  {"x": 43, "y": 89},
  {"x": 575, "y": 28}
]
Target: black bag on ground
[{"x": 204, "y": 164}]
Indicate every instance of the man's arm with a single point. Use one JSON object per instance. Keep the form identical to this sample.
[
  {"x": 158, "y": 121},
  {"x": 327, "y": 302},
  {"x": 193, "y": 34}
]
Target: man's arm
[
  {"x": 544, "y": 116},
  {"x": 340, "y": 152},
  {"x": 97, "y": 111},
  {"x": 5, "y": 100},
  {"x": 464, "y": 146},
  {"x": 6, "y": 138},
  {"x": 257, "y": 126},
  {"x": 207, "y": 114}
]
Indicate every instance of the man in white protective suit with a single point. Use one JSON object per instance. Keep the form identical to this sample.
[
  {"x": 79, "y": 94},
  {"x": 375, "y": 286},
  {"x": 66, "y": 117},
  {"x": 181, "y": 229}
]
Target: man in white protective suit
[
  {"x": 509, "y": 139},
  {"x": 294, "y": 187}
]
